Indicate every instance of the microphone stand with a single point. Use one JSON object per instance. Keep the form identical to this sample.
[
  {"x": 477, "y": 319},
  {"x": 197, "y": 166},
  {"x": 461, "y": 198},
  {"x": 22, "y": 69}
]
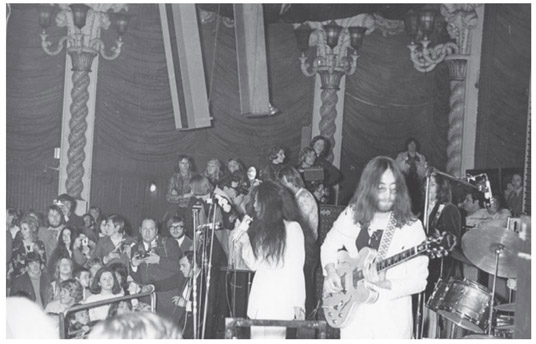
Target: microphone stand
[
  {"x": 195, "y": 217},
  {"x": 209, "y": 265}
]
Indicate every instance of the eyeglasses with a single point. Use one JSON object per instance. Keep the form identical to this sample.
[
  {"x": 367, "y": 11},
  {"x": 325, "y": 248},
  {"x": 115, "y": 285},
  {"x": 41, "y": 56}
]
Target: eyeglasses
[{"x": 176, "y": 226}]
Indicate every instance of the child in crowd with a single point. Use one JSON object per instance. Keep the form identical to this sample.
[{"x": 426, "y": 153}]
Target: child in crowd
[
  {"x": 82, "y": 275},
  {"x": 79, "y": 324}
]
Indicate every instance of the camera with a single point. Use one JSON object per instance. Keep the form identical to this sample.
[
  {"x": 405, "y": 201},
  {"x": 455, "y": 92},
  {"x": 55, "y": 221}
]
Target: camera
[{"x": 85, "y": 242}]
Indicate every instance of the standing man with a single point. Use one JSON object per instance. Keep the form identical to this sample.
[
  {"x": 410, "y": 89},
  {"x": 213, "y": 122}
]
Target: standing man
[
  {"x": 68, "y": 207},
  {"x": 155, "y": 261},
  {"x": 381, "y": 205},
  {"x": 115, "y": 246}
]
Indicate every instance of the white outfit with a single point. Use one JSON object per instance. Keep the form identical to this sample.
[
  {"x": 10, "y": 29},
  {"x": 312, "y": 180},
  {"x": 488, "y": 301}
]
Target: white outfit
[
  {"x": 100, "y": 313},
  {"x": 276, "y": 290},
  {"x": 391, "y": 315}
]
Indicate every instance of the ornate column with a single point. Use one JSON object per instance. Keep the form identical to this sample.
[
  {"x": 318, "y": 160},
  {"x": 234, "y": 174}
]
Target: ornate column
[
  {"x": 464, "y": 64},
  {"x": 83, "y": 44}
]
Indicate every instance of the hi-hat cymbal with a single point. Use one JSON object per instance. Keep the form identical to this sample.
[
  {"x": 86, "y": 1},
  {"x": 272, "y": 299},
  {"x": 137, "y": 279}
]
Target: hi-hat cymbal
[
  {"x": 480, "y": 246},
  {"x": 506, "y": 307}
]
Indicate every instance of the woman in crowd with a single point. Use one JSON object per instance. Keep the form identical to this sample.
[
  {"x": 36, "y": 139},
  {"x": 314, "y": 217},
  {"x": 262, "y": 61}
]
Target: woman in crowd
[
  {"x": 25, "y": 241},
  {"x": 71, "y": 292},
  {"x": 121, "y": 273},
  {"x": 235, "y": 165},
  {"x": 64, "y": 248},
  {"x": 102, "y": 225},
  {"x": 179, "y": 183},
  {"x": 413, "y": 165},
  {"x": 213, "y": 171},
  {"x": 322, "y": 147},
  {"x": 62, "y": 272},
  {"x": 316, "y": 182},
  {"x": 104, "y": 286},
  {"x": 276, "y": 159},
  {"x": 274, "y": 248}
]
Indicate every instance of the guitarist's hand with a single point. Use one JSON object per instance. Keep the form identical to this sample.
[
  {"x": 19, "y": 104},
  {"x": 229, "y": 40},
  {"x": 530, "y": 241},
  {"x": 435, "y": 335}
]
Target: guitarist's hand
[{"x": 332, "y": 282}]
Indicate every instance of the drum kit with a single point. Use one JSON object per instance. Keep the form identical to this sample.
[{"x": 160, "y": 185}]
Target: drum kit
[{"x": 466, "y": 303}]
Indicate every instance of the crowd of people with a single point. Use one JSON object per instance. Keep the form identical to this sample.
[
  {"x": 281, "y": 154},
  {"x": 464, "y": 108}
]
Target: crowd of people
[{"x": 59, "y": 260}]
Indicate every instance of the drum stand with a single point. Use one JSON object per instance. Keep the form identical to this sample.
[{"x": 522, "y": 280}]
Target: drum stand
[{"x": 498, "y": 251}]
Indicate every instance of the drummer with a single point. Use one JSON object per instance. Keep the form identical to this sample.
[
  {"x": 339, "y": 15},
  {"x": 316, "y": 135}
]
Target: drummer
[
  {"x": 475, "y": 209},
  {"x": 443, "y": 217}
]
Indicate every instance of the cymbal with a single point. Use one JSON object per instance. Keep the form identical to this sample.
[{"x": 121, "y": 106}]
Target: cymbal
[
  {"x": 506, "y": 307},
  {"x": 459, "y": 256},
  {"x": 480, "y": 246}
]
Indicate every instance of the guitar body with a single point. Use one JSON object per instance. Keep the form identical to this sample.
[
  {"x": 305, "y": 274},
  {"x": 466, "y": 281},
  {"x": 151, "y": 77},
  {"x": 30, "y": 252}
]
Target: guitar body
[{"x": 339, "y": 307}]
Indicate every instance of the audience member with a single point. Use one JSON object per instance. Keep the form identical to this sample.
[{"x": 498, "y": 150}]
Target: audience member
[
  {"x": 135, "y": 325},
  {"x": 514, "y": 194},
  {"x": 26, "y": 241},
  {"x": 83, "y": 249},
  {"x": 78, "y": 324},
  {"x": 96, "y": 213},
  {"x": 235, "y": 165},
  {"x": 118, "y": 308},
  {"x": 82, "y": 275},
  {"x": 184, "y": 301},
  {"x": 498, "y": 216},
  {"x": 175, "y": 226},
  {"x": 276, "y": 159},
  {"x": 213, "y": 171},
  {"x": 121, "y": 274},
  {"x": 154, "y": 261},
  {"x": 179, "y": 183},
  {"x": 68, "y": 206},
  {"x": 94, "y": 265},
  {"x": 49, "y": 234},
  {"x": 322, "y": 148},
  {"x": 306, "y": 162},
  {"x": 115, "y": 247},
  {"x": 71, "y": 292},
  {"x": 33, "y": 281},
  {"x": 63, "y": 271},
  {"x": 13, "y": 221},
  {"x": 64, "y": 248},
  {"x": 104, "y": 286},
  {"x": 290, "y": 178},
  {"x": 413, "y": 165}
]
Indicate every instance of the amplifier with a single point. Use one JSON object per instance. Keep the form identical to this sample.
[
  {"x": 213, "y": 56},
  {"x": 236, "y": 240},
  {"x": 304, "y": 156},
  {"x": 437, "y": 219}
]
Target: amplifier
[{"x": 313, "y": 174}]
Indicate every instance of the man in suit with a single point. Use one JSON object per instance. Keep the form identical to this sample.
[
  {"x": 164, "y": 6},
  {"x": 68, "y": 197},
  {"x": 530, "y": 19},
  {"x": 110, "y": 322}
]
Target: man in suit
[
  {"x": 155, "y": 261},
  {"x": 33, "y": 282},
  {"x": 184, "y": 301},
  {"x": 175, "y": 227}
]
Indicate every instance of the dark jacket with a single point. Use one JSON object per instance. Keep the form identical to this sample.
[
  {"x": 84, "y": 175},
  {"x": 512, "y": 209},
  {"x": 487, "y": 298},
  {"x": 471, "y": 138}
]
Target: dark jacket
[{"x": 23, "y": 283}]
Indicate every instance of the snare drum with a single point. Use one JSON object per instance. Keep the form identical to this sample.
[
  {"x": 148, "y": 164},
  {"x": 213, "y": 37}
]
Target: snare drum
[
  {"x": 466, "y": 303},
  {"x": 438, "y": 295}
]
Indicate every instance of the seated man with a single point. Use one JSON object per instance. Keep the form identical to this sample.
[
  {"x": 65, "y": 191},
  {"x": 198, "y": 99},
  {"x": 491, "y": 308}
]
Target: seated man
[
  {"x": 33, "y": 282},
  {"x": 154, "y": 261},
  {"x": 115, "y": 247},
  {"x": 498, "y": 216},
  {"x": 185, "y": 300},
  {"x": 474, "y": 207}
]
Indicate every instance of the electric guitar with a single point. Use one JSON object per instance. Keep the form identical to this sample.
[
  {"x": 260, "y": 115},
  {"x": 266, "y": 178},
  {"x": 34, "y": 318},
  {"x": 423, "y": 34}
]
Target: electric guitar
[{"x": 338, "y": 307}]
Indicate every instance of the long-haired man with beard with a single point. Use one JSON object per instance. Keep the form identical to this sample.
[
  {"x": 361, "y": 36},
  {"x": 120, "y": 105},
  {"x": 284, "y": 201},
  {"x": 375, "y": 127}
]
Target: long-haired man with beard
[{"x": 379, "y": 218}]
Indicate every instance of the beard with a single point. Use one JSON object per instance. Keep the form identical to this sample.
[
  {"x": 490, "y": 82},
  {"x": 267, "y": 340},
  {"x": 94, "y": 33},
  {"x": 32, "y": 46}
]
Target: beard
[{"x": 385, "y": 205}]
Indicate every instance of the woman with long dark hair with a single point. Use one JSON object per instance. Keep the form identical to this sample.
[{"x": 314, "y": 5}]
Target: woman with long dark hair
[
  {"x": 274, "y": 248},
  {"x": 64, "y": 248}
]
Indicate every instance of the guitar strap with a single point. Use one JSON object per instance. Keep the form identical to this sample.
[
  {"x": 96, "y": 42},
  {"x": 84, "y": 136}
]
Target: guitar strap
[{"x": 387, "y": 237}]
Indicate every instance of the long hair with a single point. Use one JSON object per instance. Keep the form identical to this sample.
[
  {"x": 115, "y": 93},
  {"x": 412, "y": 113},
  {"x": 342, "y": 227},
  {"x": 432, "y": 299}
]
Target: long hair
[
  {"x": 267, "y": 232},
  {"x": 303, "y": 154},
  {"x": 95, "y": 288},
  {"x": 291, "y": 175},
  {"x": 365, "y": 200},
  {"x": 201, "y": 185},
  {"x": 327, "y": 145},
  {"x": 33, "y": 224},
  {"x": 61, "y": 245},
  {"x": 58, "y": 210}
]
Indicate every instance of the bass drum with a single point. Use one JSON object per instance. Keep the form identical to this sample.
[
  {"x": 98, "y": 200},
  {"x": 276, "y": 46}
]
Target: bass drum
[{"x": 466, "y": 303}]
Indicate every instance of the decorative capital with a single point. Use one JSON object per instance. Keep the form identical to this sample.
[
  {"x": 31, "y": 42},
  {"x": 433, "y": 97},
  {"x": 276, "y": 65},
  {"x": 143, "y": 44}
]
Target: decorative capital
[
  {"x": 388, "y": 27},
  {"x": 457, "y": 65},
  {"x": 461, "y": 19}
]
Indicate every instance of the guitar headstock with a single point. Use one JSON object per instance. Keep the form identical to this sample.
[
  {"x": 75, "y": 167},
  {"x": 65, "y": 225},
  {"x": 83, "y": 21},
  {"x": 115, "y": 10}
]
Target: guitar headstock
[{"x": 440, "y": 245}]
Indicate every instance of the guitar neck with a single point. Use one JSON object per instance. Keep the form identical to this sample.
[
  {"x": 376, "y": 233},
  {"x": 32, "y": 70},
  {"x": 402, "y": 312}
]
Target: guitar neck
[{"x": 394, "y": 260}]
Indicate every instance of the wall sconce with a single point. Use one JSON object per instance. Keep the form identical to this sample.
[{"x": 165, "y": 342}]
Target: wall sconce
[
  {"x": 329, "y": 64},
  {"x": 419, "y": 27}
]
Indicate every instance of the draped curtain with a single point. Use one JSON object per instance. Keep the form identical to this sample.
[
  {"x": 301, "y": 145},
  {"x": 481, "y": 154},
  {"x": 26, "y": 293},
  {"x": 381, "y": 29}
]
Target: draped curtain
[{"x": 387, "y": 101}]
